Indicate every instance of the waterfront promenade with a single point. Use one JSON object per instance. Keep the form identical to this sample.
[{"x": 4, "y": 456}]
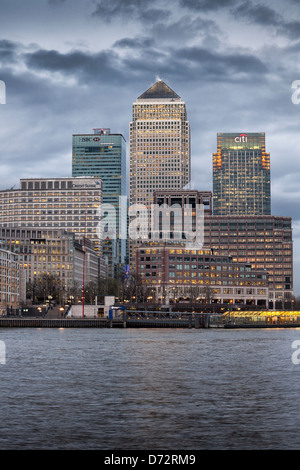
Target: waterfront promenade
[
  {"x": 230, "y": 320},
  {"x": 100, "y": 323}
]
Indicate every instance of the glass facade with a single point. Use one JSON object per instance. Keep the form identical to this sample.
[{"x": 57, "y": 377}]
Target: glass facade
[
  {"x": 241, "y": 175},
  {"x": 103, "y": 154},
  {"x": 70, "y": 204},
  {"x": 53, "y": 252},
  {"x": 265, "y": 241},
  {"x": 159, "y": 146}
]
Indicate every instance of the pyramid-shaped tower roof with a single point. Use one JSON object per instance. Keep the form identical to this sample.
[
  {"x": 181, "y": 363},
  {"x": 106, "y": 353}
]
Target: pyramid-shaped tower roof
[{"x": 159, "y": 90}]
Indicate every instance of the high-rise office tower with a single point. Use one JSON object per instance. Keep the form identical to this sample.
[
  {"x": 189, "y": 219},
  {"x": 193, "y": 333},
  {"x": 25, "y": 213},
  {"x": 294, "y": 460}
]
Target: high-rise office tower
[
  {"x": 265, "y": 242},
  {"x": 159, "y": 145},
  {"x": 103, "y": 154},
  {"x": 71, "y": 204},
  {"x": 241, "y": 175}
]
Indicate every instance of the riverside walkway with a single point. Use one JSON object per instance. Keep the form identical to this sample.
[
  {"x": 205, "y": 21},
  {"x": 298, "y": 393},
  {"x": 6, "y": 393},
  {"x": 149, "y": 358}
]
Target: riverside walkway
[
  {"x": 101, "y": 323},
  {"x": 232, "y": 320}
]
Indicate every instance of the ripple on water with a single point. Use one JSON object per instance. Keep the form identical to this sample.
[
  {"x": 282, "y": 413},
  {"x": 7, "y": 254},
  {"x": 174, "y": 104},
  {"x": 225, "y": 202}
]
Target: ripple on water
[{"x": 149, "y": 389}]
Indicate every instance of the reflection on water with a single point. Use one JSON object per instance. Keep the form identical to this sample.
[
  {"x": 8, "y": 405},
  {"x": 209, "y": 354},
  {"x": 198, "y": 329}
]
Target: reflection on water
[{"x": 149, "y": 389}]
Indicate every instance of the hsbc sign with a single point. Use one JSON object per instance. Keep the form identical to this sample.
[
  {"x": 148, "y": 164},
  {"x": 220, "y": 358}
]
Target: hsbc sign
[
  {"x": 241, "y": 138},
  {"x": 89, "y": 139}
]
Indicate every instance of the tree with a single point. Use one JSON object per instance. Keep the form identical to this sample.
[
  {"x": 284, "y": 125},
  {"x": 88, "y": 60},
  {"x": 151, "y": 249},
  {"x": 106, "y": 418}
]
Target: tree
[
  {"x": 90, "y": 292},
  {"x": 48, "y": 285},
  {"x": 75, "y": 292},
  {"x": 109, "y": 286},
  {"x": 208, "y": 293},
  {"x": 195, "y": 292}
]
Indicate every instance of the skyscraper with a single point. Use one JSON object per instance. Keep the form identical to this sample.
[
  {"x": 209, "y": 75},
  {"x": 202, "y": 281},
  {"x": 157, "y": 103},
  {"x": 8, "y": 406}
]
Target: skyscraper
[
  {"x": 103, "y": 154},
  {"x": 70, "y": 204},
  {"x": 264, "y": 242},
  {"x": 241, "y": 175},
  {"x": 159, "y": 145}
]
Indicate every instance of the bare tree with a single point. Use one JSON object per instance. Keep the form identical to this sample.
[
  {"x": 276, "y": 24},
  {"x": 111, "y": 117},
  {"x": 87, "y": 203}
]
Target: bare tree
[
  {"x": 75, "y": 292},
  {"x": 208, "y": 293},
  {"x": 109, "y": 286},
  {"x": 91, "y": 290},
  {"x": 195, "y": 292},
  {"x": 47, "y": 285}
]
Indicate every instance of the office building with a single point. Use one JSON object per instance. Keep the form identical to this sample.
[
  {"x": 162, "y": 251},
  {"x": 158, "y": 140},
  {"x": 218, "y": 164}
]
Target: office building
[
  {"x": 179, "y": 214},
  {"x": 174, "y": 274},
  {"x": 12, "y": 283},
  {"x": 103, "y": 155},
  {"x": 241, "y": 175},
  {"x": 265, "y": 242},
  {"x": 71, "y": 204},
  {"x": 52, "y": 254},
  {"x": 159, "y": 145},
  {"x": 184, "y": 198}
]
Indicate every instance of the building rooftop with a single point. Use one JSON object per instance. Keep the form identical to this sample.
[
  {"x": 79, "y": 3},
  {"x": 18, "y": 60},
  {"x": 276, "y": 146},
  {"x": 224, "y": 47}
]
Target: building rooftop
[{"x": 159, "y": 90}]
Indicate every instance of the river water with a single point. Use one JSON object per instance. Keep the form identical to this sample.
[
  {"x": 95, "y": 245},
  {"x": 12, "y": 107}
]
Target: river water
[{"x": 141, "y": 389}]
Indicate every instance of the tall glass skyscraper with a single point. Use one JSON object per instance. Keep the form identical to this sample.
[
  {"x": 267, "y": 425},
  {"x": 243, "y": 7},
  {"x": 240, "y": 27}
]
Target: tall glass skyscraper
[
  {"x": 159, "y": 144},
  {"x": 241, "y": 175},
  {"x": 103, "y": 154}
]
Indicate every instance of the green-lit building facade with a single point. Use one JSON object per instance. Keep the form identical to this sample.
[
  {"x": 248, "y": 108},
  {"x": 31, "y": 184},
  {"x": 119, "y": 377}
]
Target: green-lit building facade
[{"x": 103, "y": 154}]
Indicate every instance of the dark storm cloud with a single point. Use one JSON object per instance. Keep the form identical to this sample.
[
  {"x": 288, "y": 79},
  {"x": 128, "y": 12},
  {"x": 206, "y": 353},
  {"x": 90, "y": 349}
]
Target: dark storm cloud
[
  {"x": 153, "y": 14},
  {"x": 185, "y": 28},
  {"x": 143, "y": 10},
  {"x": 291, "y": 29},
  {"x": 206, "y": 5},
  {"x": 83, "y": 66},
  {"x": 134, "y": 43},
  {"x": 265, "y": 16},
  {"x": 183, "y": 63},
  {"x": 259, "y": 14},
  {"x": 8, "y": 51},
  {"x": 55, "y": 2},
  {"x": 213, "y": 65}
]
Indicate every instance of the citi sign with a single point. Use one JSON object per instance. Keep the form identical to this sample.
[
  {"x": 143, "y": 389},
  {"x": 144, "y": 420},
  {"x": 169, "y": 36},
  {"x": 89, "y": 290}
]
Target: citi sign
[{"x": 241, "y": 138}]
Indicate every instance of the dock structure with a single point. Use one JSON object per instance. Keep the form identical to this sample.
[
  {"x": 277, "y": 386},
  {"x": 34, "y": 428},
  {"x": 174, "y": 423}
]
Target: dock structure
[
  {"x": 232, "y": 320},
  {"x": 261, "y": 319},
  {"x": 59, "y": 323},
  {"x": 121, "y": 322}
]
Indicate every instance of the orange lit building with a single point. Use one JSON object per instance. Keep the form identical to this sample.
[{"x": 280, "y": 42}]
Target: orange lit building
[{"x": 241, "y": 175}]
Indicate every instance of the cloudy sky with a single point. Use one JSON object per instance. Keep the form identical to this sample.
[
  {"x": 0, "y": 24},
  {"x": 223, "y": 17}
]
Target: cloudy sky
[{"x": 72, "y": 65}]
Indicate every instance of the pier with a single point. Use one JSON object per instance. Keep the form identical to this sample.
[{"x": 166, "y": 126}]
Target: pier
[
  {"x": 230, "y": 320},
  {"x": 58, "y": 323},
  {"x": 121, "y": 322}
]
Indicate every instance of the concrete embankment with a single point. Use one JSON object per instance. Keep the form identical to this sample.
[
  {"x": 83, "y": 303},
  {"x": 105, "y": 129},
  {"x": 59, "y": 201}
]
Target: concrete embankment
[{"x": 96, "y": 323}]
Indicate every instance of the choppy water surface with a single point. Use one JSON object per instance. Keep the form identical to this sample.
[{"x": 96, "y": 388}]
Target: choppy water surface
[{"x": 149, "y": 389}]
